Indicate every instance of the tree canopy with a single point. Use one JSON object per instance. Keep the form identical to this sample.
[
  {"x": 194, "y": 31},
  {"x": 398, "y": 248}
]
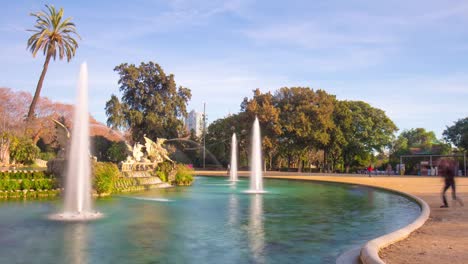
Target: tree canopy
[
  {"x": 304, "y": 127},
  {"x": 151, "y": 103},
  {"x": 363, "y": 129},
  {"x": 457, "y": 134},
  {"x": 53, "y": 35}
]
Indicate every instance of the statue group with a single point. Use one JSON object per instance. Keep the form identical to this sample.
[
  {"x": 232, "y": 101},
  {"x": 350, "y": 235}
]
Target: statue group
[
  {"x": 141, "y": 160},
  {"x": 145, "y": 157}
]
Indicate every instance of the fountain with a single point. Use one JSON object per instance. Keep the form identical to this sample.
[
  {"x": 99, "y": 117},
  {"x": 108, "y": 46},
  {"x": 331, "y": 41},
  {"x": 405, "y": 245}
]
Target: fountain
[
  {"x": 77, "y": 201},
  {"x": 233, "y": 171},
  {"x": 256, "y": 177}
]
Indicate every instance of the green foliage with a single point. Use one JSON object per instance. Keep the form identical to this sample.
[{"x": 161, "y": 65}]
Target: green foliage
[
  {"x": 100, "y": 147},
  {"x": 218, "y": 138},
  {"x": 19, "y": 175},
  {"x": 11, "y": 185},
  {"x": 416, "y": 141},
  {"x": 53, "y": 35},
  {"x": 105, "y": 174},
  {"x": 362, "y": 130},
  {"x": 23, "y": 150},
  {"x": 26, "y": 184},
  {"x": 163, "y": 170},
  {"x": 117, "y": 152},
  {"x": 151, "y": 103},
  {"x": 163, "y": 176},
  {"x": 457, "y": 134},
  {"x": 184, "y": 175},
  {"x": 263, "y": 107},
  {"x": 47, "y": 155},
  {"x": 303, "y": 127}
]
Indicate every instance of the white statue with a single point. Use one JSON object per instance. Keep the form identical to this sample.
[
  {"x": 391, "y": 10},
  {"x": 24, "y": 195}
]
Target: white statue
[
  {"x": 137, "y": 152},
  {"x": 156, "y": 152}
]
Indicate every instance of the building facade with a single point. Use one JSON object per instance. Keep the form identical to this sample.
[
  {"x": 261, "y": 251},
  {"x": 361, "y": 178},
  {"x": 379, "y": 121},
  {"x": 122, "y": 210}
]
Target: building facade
[{"x": 194, "y": 122}]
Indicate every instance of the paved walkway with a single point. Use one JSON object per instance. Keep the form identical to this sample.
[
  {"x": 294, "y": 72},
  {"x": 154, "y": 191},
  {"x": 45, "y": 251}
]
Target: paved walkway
[{"x": 444, "y": 237}]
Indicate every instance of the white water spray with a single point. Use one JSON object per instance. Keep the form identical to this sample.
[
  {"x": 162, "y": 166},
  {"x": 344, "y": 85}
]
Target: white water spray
[
  {"x": 256, "y": 177},
  {"x": 233, "y": 172},
  {"x": 77, "y": 203}
]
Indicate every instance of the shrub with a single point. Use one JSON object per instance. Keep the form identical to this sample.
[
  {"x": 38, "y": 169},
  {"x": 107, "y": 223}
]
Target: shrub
[
  {"x": 105, "y": 174},
  {"x": 36, "y": 185},
  {"x": 47, "y": 155},
  {"x": 26, "y": 184},
  {"x": 11, "y": 185},
  {"x": 161, "y": 176},
  {"x": 24, "y": 151},
  {"x": 163, "y": 170},
  {"x": 184, "y": 175},
  {"x": 38, "y": 175}
]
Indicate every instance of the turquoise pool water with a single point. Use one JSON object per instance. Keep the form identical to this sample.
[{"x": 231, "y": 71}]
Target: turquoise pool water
[{"x": 210, "y": 222}]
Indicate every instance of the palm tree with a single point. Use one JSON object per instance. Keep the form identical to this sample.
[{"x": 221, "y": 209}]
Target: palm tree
[{"x": 53, "y": 36}]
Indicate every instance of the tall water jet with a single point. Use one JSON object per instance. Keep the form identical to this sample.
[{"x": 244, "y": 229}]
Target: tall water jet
[
  {"x": 256, "y": 177},
  {"x": 233, "y": 172},
  {"x": 77, "y": 203}
]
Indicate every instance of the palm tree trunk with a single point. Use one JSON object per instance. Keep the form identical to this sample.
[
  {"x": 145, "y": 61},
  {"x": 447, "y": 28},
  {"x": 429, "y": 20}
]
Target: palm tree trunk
[{"x": 38, "y": 88}]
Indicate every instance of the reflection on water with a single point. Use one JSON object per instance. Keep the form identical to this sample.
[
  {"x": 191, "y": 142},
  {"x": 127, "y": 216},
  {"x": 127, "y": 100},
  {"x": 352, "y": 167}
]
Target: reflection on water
[
  {"x": 256, "y": 231},
  {"x": 76, "y": 238},
  {"x": 233, "y": 210}
]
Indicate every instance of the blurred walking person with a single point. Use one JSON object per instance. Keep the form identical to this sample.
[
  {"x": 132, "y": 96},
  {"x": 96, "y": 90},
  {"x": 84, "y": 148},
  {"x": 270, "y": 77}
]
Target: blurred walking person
[{"x": 447, "y": 169}]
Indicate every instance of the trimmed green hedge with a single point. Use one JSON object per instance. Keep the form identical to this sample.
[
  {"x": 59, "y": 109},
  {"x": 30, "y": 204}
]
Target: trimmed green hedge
[
  {"x": 26, "y": 184},
  {"x": 19, "y": 175},
  {"x": 29, "y": 194}
]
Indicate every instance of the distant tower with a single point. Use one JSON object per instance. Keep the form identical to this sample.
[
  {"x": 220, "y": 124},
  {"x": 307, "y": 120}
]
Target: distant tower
[{"x": 195, "y": 121}]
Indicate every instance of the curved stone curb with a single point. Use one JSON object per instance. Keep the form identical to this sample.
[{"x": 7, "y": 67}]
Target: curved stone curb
[{"x": 370, "y": 251}]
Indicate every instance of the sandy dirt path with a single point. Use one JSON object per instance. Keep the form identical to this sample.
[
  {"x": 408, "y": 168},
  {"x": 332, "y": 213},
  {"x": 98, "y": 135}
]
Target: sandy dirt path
[{"x": 442, "y": 239}]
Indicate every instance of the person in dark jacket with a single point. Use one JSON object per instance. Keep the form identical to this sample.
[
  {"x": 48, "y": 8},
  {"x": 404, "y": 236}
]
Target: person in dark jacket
[{"x": 447, "y": 169}]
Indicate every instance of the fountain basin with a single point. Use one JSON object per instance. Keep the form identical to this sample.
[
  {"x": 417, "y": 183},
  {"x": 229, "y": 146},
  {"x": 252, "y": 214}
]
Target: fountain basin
[{"x": 297, "y": 221}]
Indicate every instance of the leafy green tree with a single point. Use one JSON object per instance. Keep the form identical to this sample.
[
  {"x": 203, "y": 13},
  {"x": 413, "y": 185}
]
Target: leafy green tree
[
  {"x": 416, "y": 141},
  {"x": 151, "y": 102},
  {"x": 218, "y": 138},
  {"x": 117, "y": 152},
  {"x": 54, "y": 35},
  {"x": 116, "y": 113},
  {"x": 262, "y": 106},
  {"x": 457, "y": 134},
  {"x": 420, "y": 138},
  {"x": 99, "y": 147},
  {"x": 364, "y": 129},
  {"x": 23, "y": 150},
  {"x": 305, "y": 118}
]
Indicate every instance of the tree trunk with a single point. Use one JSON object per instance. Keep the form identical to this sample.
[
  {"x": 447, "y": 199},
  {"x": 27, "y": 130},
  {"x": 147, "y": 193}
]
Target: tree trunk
[
  {"x": 38, "y": 88},
  {"x": 5, "y": 152},
  {"x": 325, "y": 162},
  {"x": 347, "y": 168},
  {"x": 299, "y": 165}
]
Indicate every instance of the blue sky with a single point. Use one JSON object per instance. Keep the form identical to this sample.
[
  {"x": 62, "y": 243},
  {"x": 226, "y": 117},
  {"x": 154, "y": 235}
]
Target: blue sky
[{"x": 409, "y": 58}]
